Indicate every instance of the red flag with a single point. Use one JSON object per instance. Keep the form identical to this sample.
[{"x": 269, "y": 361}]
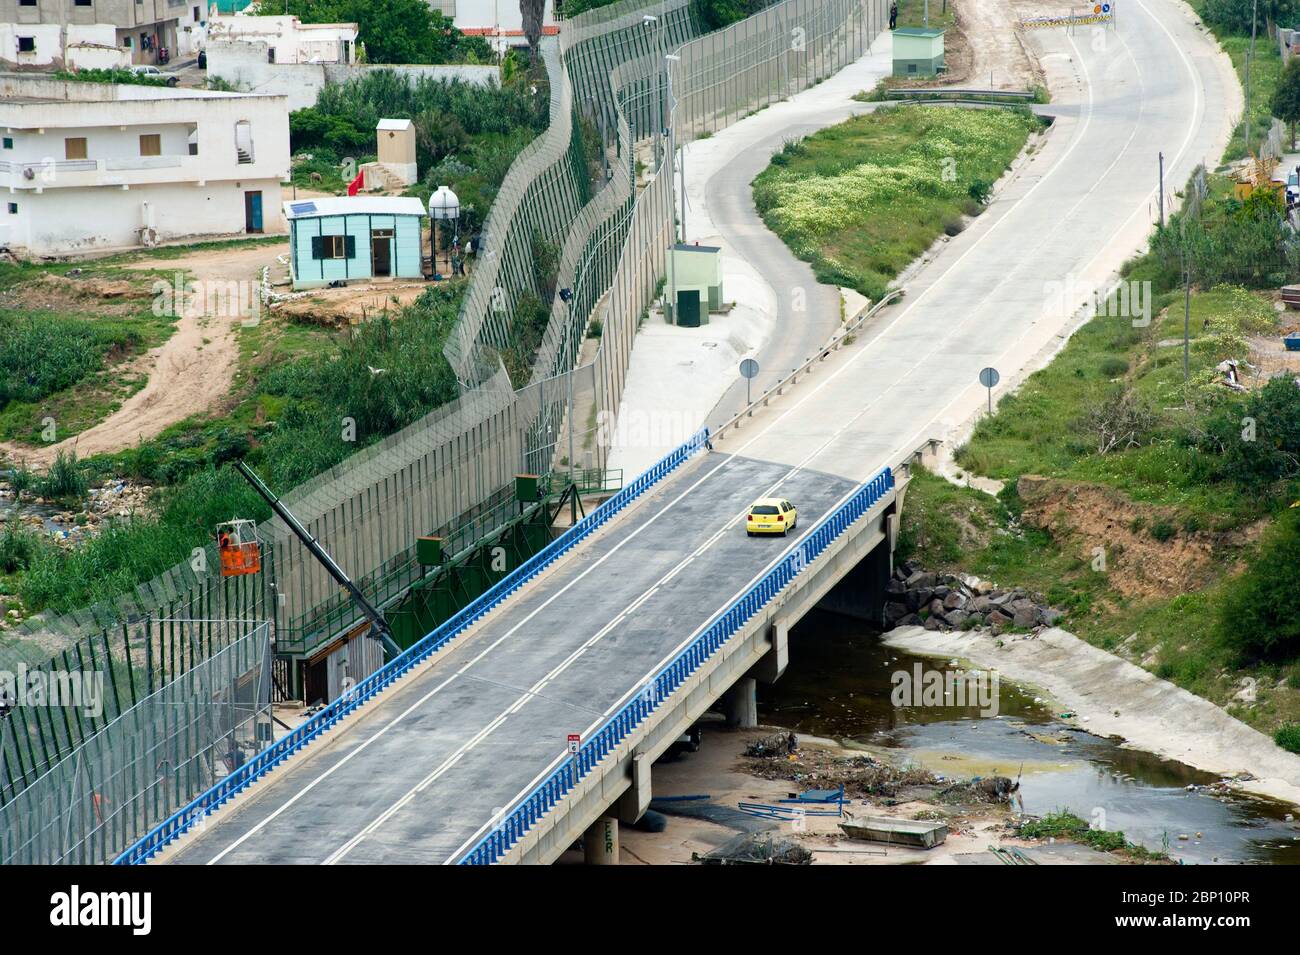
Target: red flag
[{"x": 355, "y": 185}]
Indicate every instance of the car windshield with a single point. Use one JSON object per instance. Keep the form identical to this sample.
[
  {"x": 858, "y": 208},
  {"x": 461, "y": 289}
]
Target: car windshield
[{"x": 765, "y": 509}]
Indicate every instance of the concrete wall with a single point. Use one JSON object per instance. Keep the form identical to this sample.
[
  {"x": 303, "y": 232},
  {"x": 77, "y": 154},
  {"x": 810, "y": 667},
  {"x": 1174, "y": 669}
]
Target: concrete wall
[{"x": 245, "y": 65}]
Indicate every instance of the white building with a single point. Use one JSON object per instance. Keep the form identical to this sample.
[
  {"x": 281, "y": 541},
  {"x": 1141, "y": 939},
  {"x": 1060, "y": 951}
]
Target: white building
[
  {"x": 497, "y": 21},
  {"x": 285, "y": 56},
  {"x": 89, "y": 166},
  {"x": 84, "y": 34},
  {"x": 286, "y": 39}
]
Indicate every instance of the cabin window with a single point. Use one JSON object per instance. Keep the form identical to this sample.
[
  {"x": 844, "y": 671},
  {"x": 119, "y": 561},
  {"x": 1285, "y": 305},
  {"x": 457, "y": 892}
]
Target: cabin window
[{"x": 333, "y": 246}]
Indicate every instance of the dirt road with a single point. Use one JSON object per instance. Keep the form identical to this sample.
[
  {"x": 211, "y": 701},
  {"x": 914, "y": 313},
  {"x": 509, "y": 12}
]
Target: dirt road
[{"x": 192, "y": 371}]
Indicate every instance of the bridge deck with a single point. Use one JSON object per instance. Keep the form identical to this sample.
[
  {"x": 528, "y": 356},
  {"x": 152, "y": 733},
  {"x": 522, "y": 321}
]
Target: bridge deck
[{"x": 424, "y": 769}]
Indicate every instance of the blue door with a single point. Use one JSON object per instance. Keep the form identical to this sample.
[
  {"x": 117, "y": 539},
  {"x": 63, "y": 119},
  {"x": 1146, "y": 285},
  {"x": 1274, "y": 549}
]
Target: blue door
[{"x": 253, "y": 211}]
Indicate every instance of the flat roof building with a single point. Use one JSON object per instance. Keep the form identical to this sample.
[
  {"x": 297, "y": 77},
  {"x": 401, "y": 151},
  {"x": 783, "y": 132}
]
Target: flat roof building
[
  {"x": 92, "y": 166},
  {"x": 354, "y": 238}
]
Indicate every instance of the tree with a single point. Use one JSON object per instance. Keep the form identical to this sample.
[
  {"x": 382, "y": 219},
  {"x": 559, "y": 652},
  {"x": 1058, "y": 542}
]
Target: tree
[
  {"x": 392, "y": 31},
  {"x": 1260, "y": 617},
  {"x": 1285, "y": 104},
  {"x": 532, "y": 12}
]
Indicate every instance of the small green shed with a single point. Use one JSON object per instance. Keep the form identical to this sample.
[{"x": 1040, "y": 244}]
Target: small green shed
[{"x": 918, "y": 51}]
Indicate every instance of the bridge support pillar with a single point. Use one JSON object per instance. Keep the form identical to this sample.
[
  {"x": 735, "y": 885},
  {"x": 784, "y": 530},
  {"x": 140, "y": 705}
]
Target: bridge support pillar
[
  {"x": 861, "y": 592},
  {"x": 769, "y": 669},
  {"x": 600, "y": 842},
  {"x": 633, "y": 803},
  {"x": 740, "y": 703}
]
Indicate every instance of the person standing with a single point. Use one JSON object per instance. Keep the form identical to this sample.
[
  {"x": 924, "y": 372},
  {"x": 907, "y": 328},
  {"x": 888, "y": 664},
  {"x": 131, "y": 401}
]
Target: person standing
[{"x": 893, "y": 15}]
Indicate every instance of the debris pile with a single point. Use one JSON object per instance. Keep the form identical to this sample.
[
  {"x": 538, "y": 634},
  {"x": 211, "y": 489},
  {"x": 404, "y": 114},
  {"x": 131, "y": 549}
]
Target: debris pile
[
  {"x": 771, "y": 747},
  {"x": 917, "y": 597},
  {"x": 757, "y": 849}
]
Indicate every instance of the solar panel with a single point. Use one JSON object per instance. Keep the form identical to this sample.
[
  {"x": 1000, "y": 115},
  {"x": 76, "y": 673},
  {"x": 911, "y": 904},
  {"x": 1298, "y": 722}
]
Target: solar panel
[{"x": 302, "y": 208}]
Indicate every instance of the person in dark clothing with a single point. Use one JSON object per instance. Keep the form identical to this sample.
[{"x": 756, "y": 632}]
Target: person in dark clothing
[{"x": 893, "y": 15}]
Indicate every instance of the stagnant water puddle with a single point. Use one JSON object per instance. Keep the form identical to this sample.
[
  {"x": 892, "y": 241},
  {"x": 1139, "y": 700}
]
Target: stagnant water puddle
[{"x": 838, "y": 685}]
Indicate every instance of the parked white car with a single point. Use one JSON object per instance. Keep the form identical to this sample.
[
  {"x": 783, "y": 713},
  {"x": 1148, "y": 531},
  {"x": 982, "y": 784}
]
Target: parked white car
[{"x": 146, "y": 69}]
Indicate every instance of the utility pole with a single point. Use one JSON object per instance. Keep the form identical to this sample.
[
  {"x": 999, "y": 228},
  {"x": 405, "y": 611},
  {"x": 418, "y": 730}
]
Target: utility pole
[
  {"x": 1187, "y": 312},
  {"x": 566, "y": 296},
  {"x": 1250, "y": 57},
  {"x": 1162, "y": 190}
]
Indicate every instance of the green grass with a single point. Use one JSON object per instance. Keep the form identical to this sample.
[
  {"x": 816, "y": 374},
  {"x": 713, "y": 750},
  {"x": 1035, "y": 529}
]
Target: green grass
[
  {"x": 297, "y": 386},
  {"x": 1037, "y": 429},
  {"x": 861, "y": 200},
  {"x": 1064, "y": 824},
  {"x": 64, "y": 351}
]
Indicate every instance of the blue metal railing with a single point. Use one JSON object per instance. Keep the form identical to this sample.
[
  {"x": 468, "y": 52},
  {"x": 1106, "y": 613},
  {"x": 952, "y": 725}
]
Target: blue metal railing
[
  {"x": 672, "y": 675},
  {"x": 183, "y": 819}
]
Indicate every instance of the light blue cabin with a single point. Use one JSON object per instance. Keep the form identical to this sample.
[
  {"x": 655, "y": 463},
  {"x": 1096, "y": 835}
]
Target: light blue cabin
[{"x": 354, "y": 239}]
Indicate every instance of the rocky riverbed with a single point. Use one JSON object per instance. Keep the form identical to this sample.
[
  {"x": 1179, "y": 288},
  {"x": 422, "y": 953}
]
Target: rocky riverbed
[{"x": 917, "y": 597}]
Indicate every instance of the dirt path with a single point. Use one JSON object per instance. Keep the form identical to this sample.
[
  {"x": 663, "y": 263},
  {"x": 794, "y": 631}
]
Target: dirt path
[
  {"x": 999, "y": 58},
  {"x": 192, "y": 371}
]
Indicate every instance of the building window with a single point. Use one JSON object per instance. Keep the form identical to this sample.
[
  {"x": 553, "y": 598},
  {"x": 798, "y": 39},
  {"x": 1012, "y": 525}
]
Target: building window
[
  {"x": 244, "y": 141},
  {"x": 74, "y": 147},
  {"x": 333, "y": 246},
  {"x": 13, "y": 208},
  {"x": 196, "y": 14},
  {"x": 26, "y": 3},
  {"x": 83, "y": 3},
  {"x": 27, "y": 44},
  {"x": 150, "y": 144},
  {"x": 126, "y": 41},
  {"x": 9, "y": 142}
]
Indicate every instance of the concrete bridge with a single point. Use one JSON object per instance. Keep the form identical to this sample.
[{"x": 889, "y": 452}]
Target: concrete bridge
[{"x": 667, "y": 607}]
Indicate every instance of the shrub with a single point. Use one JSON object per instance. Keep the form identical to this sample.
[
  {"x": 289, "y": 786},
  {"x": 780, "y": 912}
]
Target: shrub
[
  {"x": 1113, "y": 367},
  {"x": 1163, "y": 531},
  {"x": 18, "y": 545},
  {"x": 65, "y": 481},
  {"x": 1259, "y": 617},
  {"x": 1288, "y": 737}
]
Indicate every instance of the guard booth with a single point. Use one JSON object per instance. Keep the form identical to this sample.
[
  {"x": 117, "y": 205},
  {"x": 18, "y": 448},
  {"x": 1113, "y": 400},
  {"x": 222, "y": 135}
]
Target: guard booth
[
  {"x": 918, "y": 51},
  {"x": 696, "y": 276}
]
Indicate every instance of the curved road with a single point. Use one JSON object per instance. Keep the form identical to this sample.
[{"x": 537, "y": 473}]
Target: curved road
[{"x": 422, "y": 771}]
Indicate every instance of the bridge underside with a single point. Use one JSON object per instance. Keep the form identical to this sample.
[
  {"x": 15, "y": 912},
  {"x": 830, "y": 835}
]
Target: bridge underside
[{"x": 425, "y": 768}]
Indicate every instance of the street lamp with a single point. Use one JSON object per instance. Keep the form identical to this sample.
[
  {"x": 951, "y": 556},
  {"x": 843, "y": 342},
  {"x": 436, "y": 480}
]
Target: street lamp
[
  {"x": 566, "y": 296},
  {"x": 649, "y": 19},
  {"x": 443, "y": 206},
  {"x": 672, "y": 154}
]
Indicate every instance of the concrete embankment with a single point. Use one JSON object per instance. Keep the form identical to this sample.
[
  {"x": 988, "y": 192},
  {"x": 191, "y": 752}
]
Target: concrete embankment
[{"x": 1112, "y": 697}]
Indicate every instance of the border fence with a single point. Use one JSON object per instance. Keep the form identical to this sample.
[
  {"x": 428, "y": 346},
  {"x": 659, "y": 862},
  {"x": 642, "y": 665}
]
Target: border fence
[
  {"x": 607, "y": 71},
  {"x": 153, "y": 757}
]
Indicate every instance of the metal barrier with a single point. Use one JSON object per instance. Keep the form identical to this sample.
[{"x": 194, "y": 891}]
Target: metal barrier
[
  {"x": 185, "y": 818},
  {"x": 673, "y": 674}
]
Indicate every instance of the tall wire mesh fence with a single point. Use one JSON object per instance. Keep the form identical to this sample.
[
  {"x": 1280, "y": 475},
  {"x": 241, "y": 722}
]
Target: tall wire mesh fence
[
  {"x": 151, "y": 759},
  {"x": 607, "y": 70}
]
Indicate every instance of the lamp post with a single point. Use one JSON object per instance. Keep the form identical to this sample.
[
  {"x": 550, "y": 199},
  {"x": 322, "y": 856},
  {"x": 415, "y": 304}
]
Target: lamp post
[
  {"x": 566, "y": 296},
  {"x": 443, "y": 206},
  {"x": 649, "y": 19}
]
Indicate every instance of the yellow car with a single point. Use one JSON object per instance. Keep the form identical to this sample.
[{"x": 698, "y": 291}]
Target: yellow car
[{"x": 771, "y": 515}]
